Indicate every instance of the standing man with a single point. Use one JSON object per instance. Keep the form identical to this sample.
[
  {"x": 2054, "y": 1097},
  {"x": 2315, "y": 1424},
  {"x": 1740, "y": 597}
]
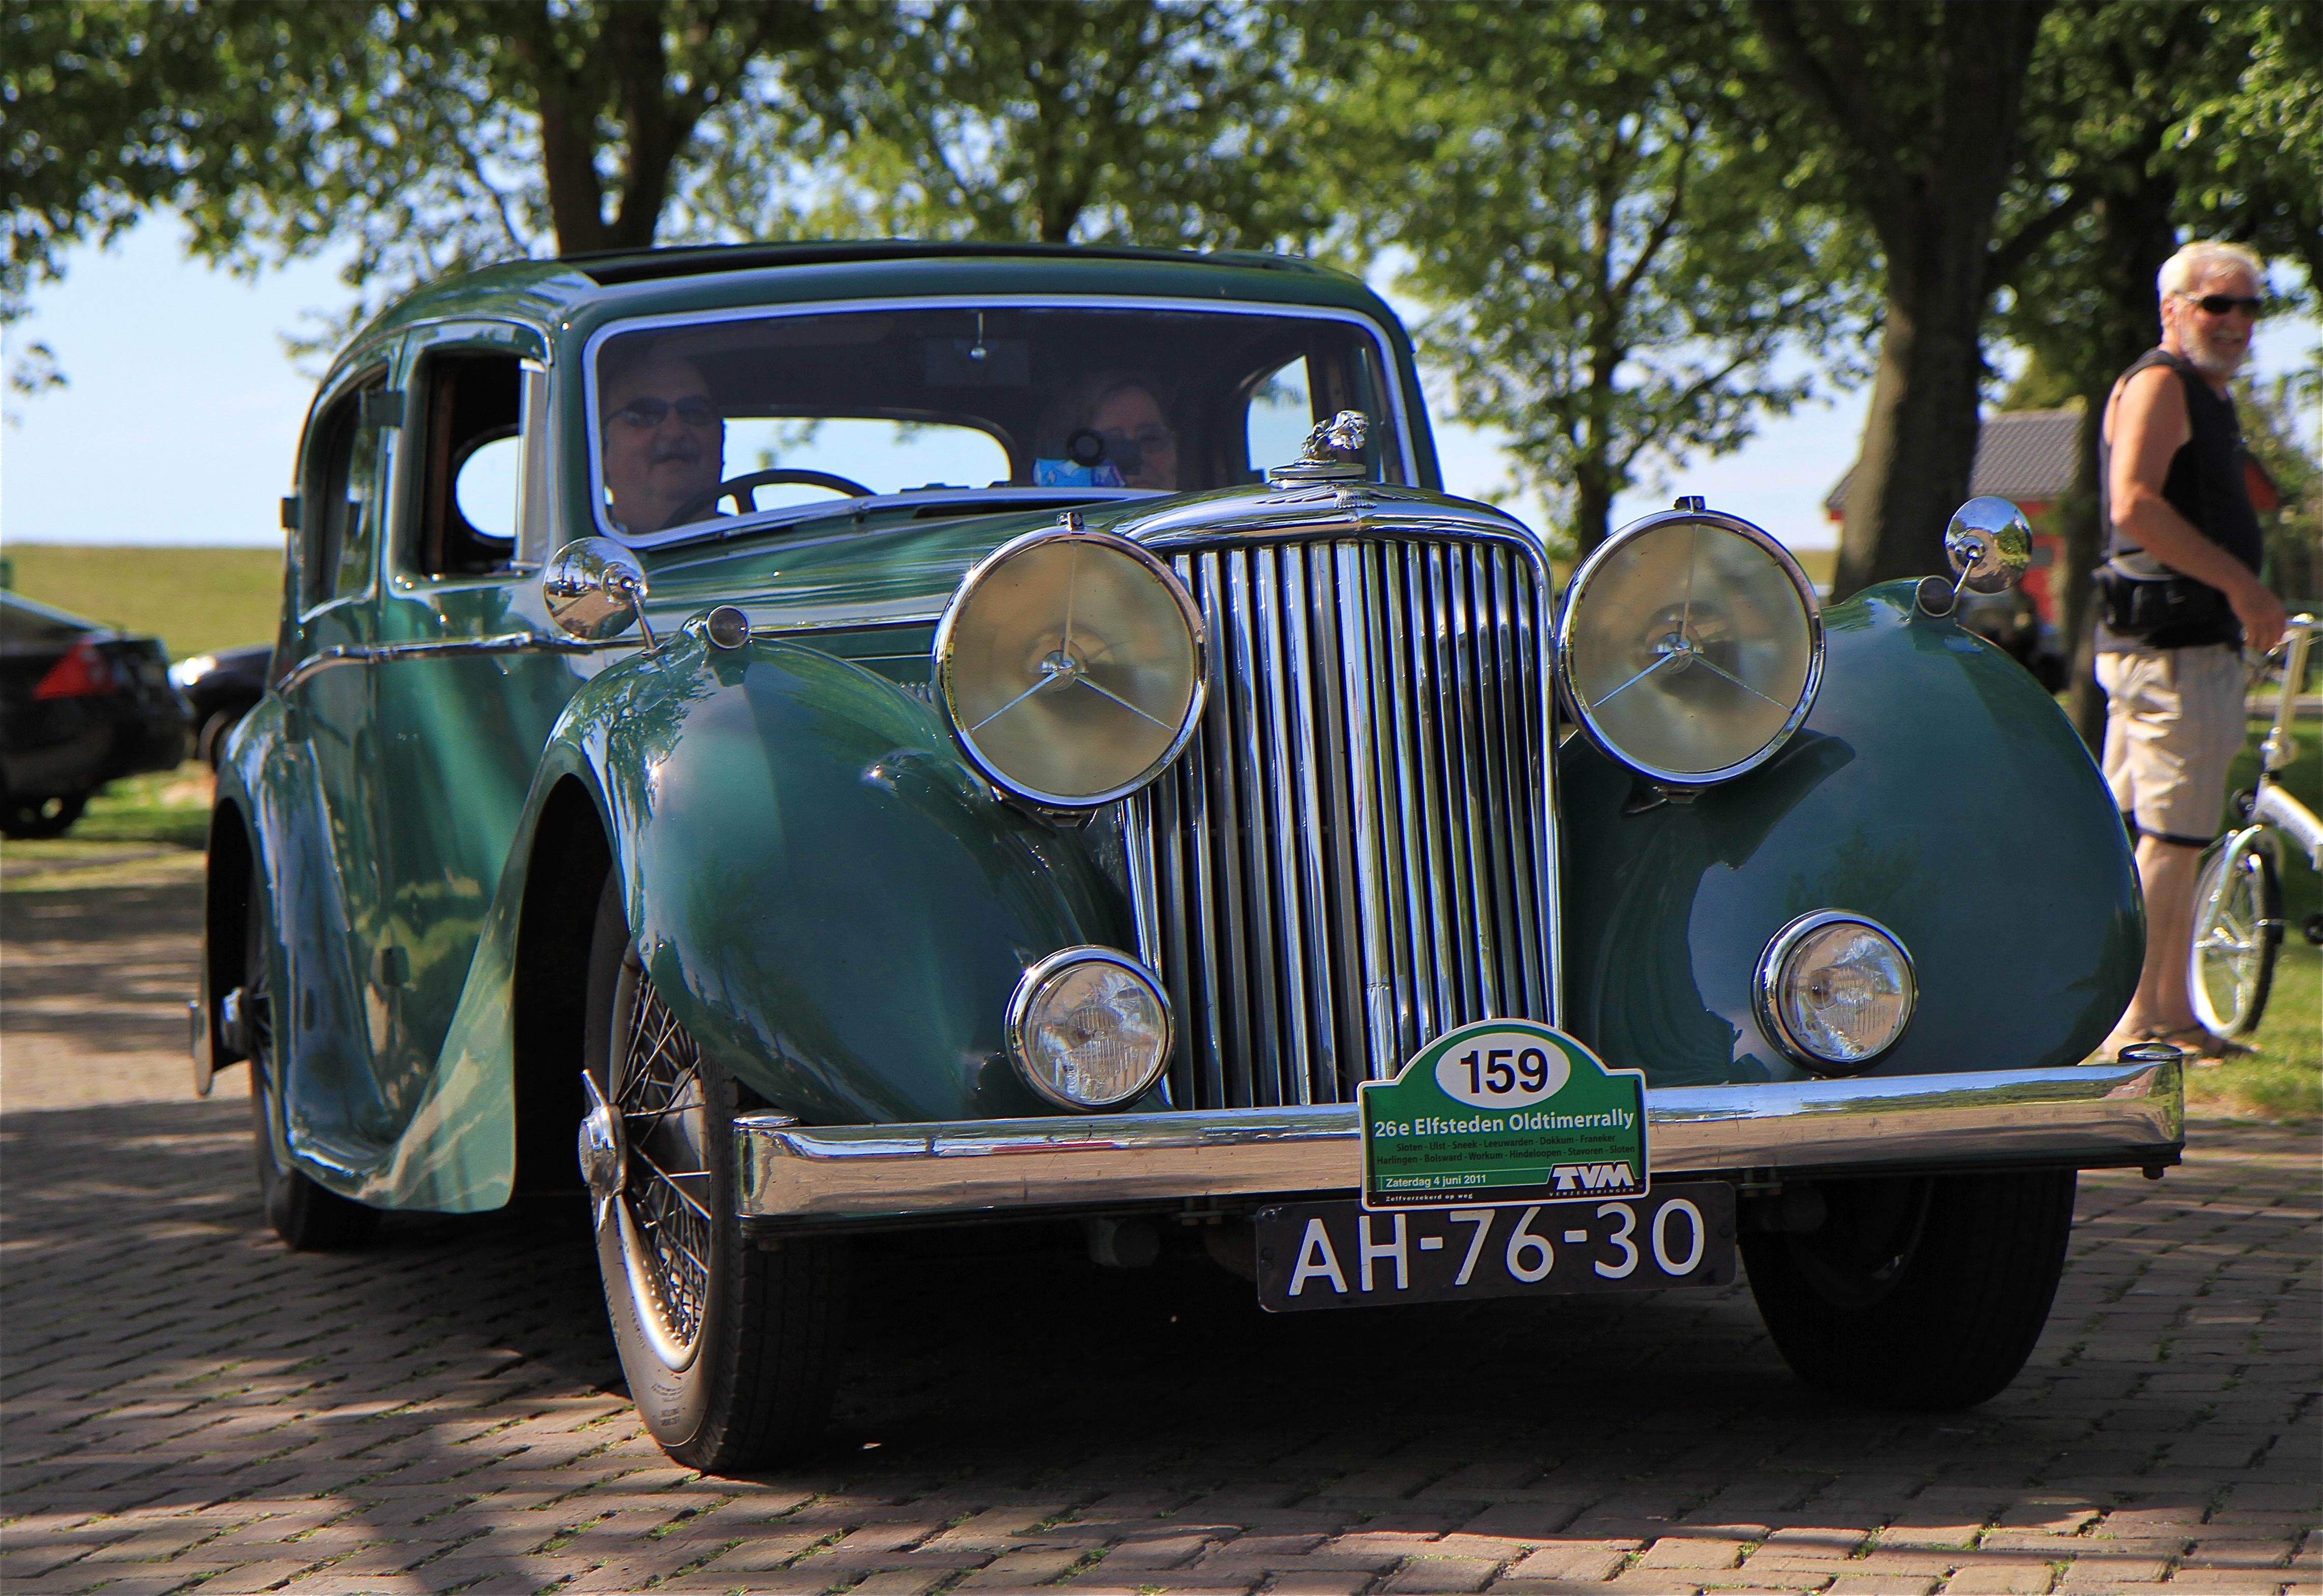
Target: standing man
[{"x": 2175, "y": 501}]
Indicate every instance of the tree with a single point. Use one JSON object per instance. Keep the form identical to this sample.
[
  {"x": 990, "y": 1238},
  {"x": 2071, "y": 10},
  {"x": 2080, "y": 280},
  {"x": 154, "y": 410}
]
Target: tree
[
  {"x": 2137, "y": 96},
  {"x": 431, "y": 134},
  {"x": 1910, "y": 116},
  {"x": 1613, "y": 277},
  {"x": 1150, "y": 120}
]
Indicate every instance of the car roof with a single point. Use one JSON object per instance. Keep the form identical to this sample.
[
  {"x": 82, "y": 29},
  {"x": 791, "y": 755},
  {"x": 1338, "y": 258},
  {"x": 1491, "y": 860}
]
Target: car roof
[
  {"x": 546, "y": 293},
  {"x": 32, "y": 609}
]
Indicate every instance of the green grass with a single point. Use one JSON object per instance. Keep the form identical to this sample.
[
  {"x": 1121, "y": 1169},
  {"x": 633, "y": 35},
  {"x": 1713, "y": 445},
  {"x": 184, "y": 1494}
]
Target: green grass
[{"x": 194, "y": 600}]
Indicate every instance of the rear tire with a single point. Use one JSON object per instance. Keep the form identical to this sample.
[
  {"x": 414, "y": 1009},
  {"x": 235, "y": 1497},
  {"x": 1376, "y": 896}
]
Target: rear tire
[
  {"x": 1916, "y": 1292},
  {"x": 731, "y": 1350},
  {"x": 2237, "y": 931},
  {"x": 309, "y": 1217},
  {"x": 30, "y": 819}
]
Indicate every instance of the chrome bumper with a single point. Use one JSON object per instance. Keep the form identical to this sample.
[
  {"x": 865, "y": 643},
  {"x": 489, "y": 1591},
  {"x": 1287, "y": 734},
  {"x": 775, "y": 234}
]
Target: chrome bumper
[{"x": 2085, "y": 1115}]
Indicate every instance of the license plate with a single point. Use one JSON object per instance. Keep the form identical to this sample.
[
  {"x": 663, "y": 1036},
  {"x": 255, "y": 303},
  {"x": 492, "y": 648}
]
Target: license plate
[{"x": 1336, "y": 1255}]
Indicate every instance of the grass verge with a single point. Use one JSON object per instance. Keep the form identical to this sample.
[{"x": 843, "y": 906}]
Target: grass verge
[{"x": 194, "y": 600}]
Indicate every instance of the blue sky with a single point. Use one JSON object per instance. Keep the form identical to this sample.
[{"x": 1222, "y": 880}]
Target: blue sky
[{"x": 183, "y": 411}]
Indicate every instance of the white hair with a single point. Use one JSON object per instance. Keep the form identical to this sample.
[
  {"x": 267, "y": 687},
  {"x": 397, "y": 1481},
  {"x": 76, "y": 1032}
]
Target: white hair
[{"x": 2198, "y": 260}]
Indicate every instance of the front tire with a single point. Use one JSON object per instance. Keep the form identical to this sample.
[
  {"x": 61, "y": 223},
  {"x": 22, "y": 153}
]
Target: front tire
[
  {"x": 2238, "y": 930},
  {"x": 731, "y": 1350},
  {"x": 1916, "y": 1292}
]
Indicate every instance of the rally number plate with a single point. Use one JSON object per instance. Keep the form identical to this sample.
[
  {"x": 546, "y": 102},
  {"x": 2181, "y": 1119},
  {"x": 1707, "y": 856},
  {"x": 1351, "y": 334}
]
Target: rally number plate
[{"x": 1336, "y": 1255}]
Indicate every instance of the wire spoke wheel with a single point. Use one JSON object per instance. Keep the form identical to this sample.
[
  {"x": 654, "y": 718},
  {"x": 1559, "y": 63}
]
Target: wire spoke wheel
[
  {"x": 730, "y": 1346},
  {"x": 2238, "y": 930},
  {"x": 664, "y": 1220}
]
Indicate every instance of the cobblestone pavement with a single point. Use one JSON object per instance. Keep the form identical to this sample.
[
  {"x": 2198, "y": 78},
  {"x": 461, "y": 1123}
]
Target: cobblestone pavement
[{"x": 189, "y": 1405}]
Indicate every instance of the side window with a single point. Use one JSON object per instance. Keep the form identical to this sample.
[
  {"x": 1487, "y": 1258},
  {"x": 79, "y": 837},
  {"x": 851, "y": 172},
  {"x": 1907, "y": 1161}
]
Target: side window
[
  {"x": 468, "y": 492},
  {"x": 339, "y": 518}
]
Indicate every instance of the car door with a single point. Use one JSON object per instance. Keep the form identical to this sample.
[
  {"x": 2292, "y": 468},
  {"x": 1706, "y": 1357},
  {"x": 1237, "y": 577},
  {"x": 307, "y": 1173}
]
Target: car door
[
  {"x": 458, "y": 735},
  {"x": 323, "y": 858}
]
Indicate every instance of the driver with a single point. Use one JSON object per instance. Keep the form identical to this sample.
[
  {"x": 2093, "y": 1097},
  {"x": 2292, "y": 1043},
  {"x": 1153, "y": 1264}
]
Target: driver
[{"x": 665, "y": 441}]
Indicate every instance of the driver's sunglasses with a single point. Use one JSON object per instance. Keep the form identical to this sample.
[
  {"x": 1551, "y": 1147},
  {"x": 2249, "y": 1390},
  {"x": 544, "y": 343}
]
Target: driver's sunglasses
[
  {"x": 649, "y": 412},
  {"x": 2219, "y": 304},
  {"x": 1146, "y": 440}
]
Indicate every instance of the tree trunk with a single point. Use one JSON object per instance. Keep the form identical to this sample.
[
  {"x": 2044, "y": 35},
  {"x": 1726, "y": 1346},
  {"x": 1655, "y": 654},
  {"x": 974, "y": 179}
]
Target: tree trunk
[
  {"x": 1919, "y": 439},
  {"x": 1923, "y": 156}
]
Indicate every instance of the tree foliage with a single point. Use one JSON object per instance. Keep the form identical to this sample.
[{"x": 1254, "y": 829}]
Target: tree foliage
[
  {"x": 428, "y": 135},
  {"x": 1912, "y": 116},
  {"x": 1147, "y": 121},
  {"x": 2127, "y": 96},
  {"x": 1611, "y": 278}
]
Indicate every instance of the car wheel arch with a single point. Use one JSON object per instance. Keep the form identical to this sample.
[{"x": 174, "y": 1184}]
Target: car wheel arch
[
  {"x": 569, "y": 852},
  {"x": 226, "y": 908}
]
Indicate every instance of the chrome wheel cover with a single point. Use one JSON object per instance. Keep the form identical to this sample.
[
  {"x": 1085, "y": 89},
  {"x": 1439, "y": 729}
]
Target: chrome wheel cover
[{"x": 662, "y": 1211}]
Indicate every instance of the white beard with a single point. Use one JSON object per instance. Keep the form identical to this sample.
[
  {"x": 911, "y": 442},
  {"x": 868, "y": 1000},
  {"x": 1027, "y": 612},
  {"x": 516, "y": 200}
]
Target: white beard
[{"x": 2209, "y": 357}]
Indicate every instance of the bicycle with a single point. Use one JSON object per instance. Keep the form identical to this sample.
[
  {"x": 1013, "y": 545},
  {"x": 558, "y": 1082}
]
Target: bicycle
[{"x": 2238, "y": 896}]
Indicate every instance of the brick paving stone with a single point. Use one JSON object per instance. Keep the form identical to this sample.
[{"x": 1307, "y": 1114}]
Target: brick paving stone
[{"x": 201, "y": 1405}]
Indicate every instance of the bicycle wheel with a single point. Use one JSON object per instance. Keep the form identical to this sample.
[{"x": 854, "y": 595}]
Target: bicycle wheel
[{"x": 2237, "y": 928}]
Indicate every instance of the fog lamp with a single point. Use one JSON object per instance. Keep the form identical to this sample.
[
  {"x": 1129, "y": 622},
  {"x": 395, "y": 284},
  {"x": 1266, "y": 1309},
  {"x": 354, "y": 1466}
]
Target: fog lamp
[
  {"x": 1089, "y": 1028},
  {"x": 1836, "y": 991}
]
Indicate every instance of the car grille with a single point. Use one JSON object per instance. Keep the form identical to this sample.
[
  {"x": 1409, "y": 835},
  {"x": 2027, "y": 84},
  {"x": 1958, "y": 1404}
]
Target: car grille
[{"x": 1352, "y": 856}]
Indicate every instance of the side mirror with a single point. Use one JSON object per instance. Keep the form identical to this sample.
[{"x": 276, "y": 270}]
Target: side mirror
[
  {"x": 594, "y": 588},
  {"x": 1989, "y": 544}
]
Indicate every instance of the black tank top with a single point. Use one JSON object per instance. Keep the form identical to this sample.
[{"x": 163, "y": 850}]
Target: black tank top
[{"x": 2206, "y": 484}]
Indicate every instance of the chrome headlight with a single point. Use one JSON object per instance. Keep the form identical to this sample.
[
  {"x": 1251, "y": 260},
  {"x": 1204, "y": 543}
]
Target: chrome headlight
[
  {"x": 1089, "y": 1028},
  {"x": 1690, "y": 646},
  {"x": 1072, "y": 665},
  {"x": 1836, "y": 990},
  {"x": 191, "y": 669}
]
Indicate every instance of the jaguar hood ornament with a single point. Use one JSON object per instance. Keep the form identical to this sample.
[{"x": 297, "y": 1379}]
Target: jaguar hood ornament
[{"x": 1343, "y": 434}]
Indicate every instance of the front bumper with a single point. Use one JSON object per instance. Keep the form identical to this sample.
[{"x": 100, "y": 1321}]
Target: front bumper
[{"x": 2085, "y": 1117}]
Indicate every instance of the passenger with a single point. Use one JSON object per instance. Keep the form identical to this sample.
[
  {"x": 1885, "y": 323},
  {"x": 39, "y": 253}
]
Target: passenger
[
  {"x": 1115, "y": 421},
  {"x": 665, "y": 441}
]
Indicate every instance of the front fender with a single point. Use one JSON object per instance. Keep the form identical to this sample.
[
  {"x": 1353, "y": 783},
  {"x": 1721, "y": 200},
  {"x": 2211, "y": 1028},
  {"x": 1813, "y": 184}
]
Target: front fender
[
  {"x": 831, "y": 903},
  {"x": 1935, "y": 788}
]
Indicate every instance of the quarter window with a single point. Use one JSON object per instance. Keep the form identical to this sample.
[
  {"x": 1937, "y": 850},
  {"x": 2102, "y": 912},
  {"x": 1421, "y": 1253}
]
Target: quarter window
[{"x": 339, "y": 517}]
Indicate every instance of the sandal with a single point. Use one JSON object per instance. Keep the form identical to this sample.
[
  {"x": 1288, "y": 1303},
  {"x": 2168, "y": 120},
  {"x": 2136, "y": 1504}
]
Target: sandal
[{"x": 2199, "y": 1044}]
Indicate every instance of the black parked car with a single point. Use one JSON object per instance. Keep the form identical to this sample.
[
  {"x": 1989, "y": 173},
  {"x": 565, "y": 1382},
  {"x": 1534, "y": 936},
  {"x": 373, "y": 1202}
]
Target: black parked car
[
  {"x": 221, "y": 688},
  {"x": 80, "y": 705}
]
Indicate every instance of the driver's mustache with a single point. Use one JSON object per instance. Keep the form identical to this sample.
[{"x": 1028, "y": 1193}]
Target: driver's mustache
[{"x": 684, "y": 450}]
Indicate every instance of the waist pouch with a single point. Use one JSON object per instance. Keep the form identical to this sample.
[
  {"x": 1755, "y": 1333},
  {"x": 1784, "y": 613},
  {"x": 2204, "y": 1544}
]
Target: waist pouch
[{"x": 2135, "y": 606}]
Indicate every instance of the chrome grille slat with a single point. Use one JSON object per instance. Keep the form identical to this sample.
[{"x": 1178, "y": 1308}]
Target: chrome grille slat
[{"x": 1350, "y": 858}]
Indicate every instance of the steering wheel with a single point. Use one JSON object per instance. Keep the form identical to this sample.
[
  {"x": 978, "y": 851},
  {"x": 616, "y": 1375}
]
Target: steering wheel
[{"x": 739, "y": 489}]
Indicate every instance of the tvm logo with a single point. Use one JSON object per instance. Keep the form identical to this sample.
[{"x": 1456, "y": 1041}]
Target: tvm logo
[{"x": 1593, "y": 1177}]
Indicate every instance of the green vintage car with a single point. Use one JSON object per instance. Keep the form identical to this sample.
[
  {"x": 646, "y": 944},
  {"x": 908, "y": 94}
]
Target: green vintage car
[{"x": 875, "y": 736}]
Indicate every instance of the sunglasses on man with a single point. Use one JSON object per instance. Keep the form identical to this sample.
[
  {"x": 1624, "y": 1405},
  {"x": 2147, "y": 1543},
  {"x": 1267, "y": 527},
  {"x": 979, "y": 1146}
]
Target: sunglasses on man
[
  {"x": 2219, "y": 304},
  {"x": 649, "y": 412}
]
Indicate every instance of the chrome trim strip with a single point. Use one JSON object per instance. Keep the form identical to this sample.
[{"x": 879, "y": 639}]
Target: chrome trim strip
[
  {"x": 2077, "y": 1114},
  {"x": 315, "y": 664}
]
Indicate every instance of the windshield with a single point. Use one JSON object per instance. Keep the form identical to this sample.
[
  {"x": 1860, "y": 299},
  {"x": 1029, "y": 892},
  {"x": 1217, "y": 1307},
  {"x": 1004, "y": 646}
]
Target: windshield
[{"x": 702, "y": 420}]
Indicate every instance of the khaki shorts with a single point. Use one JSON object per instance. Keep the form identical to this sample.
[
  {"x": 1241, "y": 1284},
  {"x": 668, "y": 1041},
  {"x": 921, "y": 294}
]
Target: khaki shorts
[{"x": 2174, "y": 722}]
